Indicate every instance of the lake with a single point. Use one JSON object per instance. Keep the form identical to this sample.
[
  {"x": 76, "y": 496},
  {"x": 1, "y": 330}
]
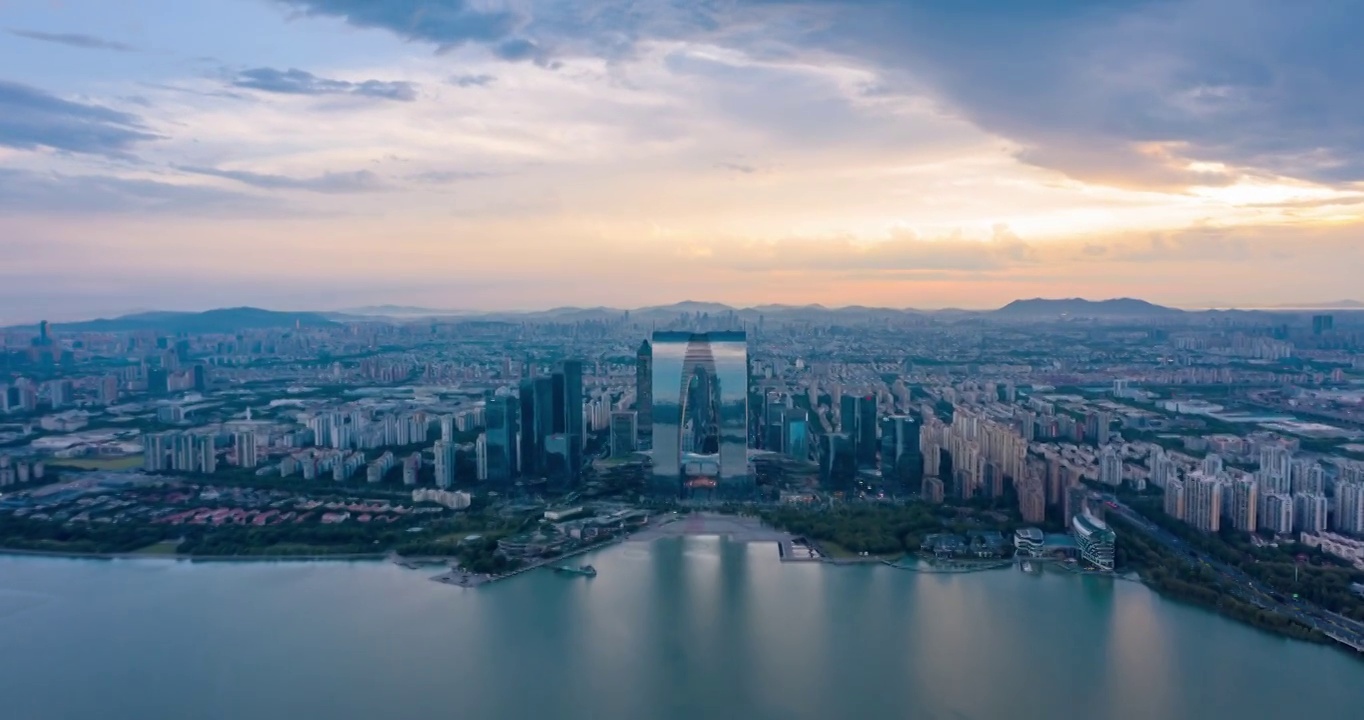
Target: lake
[{"x": 679, "y": 629}]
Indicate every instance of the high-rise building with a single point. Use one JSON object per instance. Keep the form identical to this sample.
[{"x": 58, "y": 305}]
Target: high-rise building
[
  {"x": 1077, "y": 502},
  {"x": 796, "y": 434},
  {"x": 1163, "y": 467},
  {"x": 244, "y": 448},
  {"x": 1176, "y": 499},
  {"x": 61, "y": 393},
  {"x": 1309, "y": 513},
  {"x": 900, "y": 459},
  {"x": 1204, "y": 502},
  {"x": 500, "y": 434},
  {"x": 1032, "y": 498},
  {"x": 933, "y": 490},
  {"x": 444, "y": 463},
  {"x": 1349, "y": 509},
  {"x": 1278, "y": 516},
  {"x": 1110, "y": 466},
  {"x": 644, "y": 388},
  {"x": 700, "y": 390},
  {"x": 481, "y": 457},
  {"x": 624, "y": 432},
  {"x": 1276, "y": 469},
  {"x": 1212, "y": 464},
  {"x": 866, "y": 431},
  {"x": 1308, "y": 478},
  {"x": 205, "y": 454},
  {"x": 572, "y": 371},
  {"x": 1244, "y": 504},
  {"x": 158, "y": 381},
  {"x": 532, "y": 445},
  {"x": 108, "y": 390}
]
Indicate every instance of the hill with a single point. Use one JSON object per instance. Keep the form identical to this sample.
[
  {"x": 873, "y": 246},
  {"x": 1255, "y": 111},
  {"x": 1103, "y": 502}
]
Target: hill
[
  {"x": 1127, "y": 308},
  {"x": 223, "y": 320}
]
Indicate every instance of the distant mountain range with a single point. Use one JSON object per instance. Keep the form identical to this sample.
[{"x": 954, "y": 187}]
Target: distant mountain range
[
  {"x": 229, "y": 320},
  {"x": 1038, "y": 308},
  {"x": 224, "y": 320}
]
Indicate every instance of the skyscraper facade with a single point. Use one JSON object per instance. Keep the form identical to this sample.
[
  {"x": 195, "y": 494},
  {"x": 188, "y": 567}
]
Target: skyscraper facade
[
  {"x": 500, "y": 433},
  {"x": 644, "y": 388},
  {"x": 700, "y": 393}
]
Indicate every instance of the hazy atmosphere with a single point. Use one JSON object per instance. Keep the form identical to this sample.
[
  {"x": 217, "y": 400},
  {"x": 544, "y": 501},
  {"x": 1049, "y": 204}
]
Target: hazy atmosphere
[{"x": 323, "y": 154}]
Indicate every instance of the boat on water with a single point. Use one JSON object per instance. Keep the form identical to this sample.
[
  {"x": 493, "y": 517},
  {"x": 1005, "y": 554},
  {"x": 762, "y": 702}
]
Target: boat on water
[{"x": 585, "y": 570}]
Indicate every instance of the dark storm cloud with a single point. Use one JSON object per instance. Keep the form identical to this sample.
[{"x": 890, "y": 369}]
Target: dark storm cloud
[
  {"x": 31, "y": 118},
  {"x": 443, "y": 23},
  {"x": 1130, "y": 89},
  {"x": 331, "y": 183},
  {"x": 76, "y": 40},
  {"x": 300, "y": 82}
]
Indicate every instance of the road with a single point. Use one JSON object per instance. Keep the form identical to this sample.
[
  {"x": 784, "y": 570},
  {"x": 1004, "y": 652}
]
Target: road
[{"x": 1248, "y": 589}]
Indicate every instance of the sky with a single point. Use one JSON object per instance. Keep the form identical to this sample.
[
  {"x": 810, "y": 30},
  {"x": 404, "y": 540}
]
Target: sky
[{"x": 525, "y": 154}]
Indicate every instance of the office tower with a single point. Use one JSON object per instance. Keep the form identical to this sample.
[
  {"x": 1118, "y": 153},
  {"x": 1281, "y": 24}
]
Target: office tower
[
  {"x": 1176, "y": 501},
  {"x": 1278, "y": 516},
  {"x": 644, "y": 388},
  {"x": 1244, "y": 504},
  {"x": 1349, "y": 510},
  {"x": 500, "y": 439},
  {"x": 624, "y": 432},
  {"x": 796, "y": 434},
  {"x": 200, "y": 377},
  {"x": 1204, "y": 502},
  {"x": 444, "y": 463},
  {"x": 837, "y": 461},
  {"x": 158, "y": 381},
  {"x": 899, "y": 447},
  {"x": 866, "y": 431},
  {"x": 1309, "y": 513},
  {"x": 244, "y": 448},
  {"x": 709, "y": 370},
  {"x": 847, "y": 415},
  {"x": 532, "y": 448},
  {"x": 572, "y": 372},
  {"x": 1322, "y": 324},
  {"x": 1110, "y": 466}
]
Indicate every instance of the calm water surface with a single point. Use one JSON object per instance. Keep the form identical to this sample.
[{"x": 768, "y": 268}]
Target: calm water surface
[{"x": 681, "y": 629}]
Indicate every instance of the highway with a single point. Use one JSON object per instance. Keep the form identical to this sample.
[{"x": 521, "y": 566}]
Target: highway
[{"x": 1341, "y": 629}]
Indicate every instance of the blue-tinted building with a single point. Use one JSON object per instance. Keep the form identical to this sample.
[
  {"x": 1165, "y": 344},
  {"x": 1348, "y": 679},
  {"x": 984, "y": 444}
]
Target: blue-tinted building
[{"x": 700, "y": 413}]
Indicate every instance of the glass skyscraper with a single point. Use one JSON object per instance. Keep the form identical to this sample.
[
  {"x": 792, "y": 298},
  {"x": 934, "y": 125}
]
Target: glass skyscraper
[{"x": 700, "y": 413}]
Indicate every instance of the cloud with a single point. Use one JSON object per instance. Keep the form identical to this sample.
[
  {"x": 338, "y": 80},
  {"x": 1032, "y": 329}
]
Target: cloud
[
  {"x": 443, "y": 23},
  {"x": 472, "y": 80},
  {"x": 441, "y": 177},
  {"x": 25, "y": 192},
  {"x": 31, "y": 118},
  {"x": 1131, "y": 92},
  {"x": 76, "y": 40},
  {"x": 300, "y": 82},
  {"x": 331, "y": 183}
]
